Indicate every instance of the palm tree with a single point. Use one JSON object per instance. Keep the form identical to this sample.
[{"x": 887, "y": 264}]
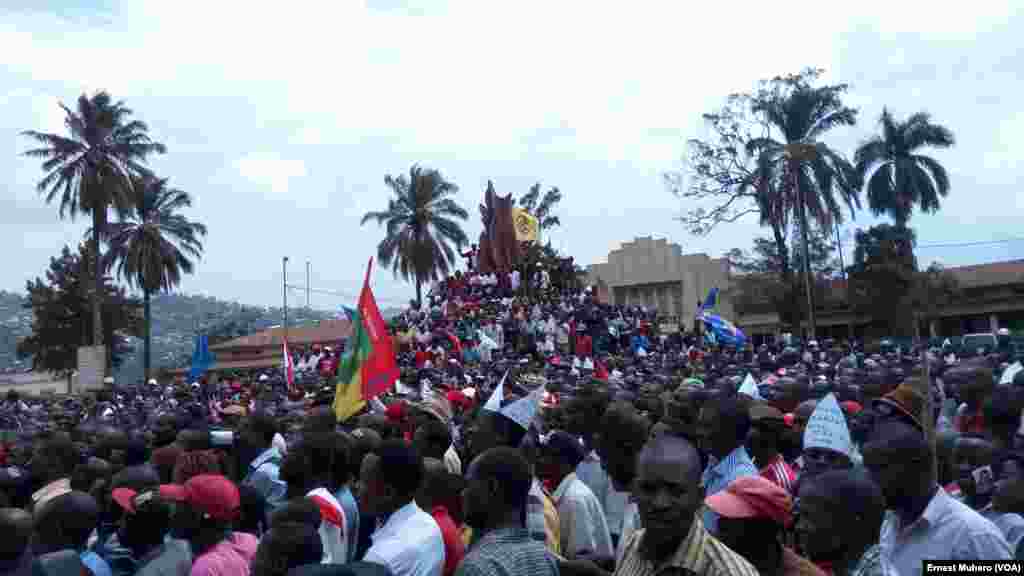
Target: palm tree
[
  {"x": 542, "y": 210},
  {"x": 90, "y": 170},
  {"x": 421, "y": 223},
  {"x": 153, "y": 244},
  {"x": 896, "y": 176},
  {"x": 805, "y": 173}
]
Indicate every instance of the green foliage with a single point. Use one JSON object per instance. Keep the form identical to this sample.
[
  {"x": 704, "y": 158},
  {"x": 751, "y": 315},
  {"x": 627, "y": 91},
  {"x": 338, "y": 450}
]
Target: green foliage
[
  {"x": 541, "y": 207},
  {"x": 887, "y": 286},
  {"x": 90, "y": 169},
  {"x": 61, "y": 319},
  {"x": 897, "y": 177},
  {"x": 760, "y": 284},
  {"x": 421, "y": 223}
]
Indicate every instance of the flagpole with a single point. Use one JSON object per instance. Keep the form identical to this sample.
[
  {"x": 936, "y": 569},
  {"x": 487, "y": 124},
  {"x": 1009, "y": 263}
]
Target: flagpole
[{"x": 284, "y": 292}]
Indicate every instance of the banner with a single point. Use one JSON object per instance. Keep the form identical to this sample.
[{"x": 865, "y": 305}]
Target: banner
[{"x": 526, "y": 225}]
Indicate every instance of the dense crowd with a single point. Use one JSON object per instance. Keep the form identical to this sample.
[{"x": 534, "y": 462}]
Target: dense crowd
[{"x": 534, "y": 431}]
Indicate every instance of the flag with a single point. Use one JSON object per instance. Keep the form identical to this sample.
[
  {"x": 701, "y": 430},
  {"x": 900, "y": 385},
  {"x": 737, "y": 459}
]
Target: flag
[
  {"x": 368, "y": 368},
  {"x": 288, "y": 365},
  {"x": 720, "y": 330},
  {"x": 526, "y": 225},
  {"x": 201, "y": 358},
  {"x": 711, "y": 301}
]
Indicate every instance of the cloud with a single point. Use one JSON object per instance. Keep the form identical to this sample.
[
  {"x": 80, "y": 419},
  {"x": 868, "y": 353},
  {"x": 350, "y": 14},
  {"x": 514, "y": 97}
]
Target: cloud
[
  {"x": 283, "y": 120},
  {"x": 270, "y": 170}
]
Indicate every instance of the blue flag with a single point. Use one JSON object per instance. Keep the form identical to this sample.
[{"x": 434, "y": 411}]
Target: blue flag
[
  {"x": 722, "y": 330},
  {"x": 202, "y": 359},
  {"x": 711, "y": 301}
]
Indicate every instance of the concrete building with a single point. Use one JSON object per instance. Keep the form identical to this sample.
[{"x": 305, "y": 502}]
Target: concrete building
[{"x": 655, "y": 273}]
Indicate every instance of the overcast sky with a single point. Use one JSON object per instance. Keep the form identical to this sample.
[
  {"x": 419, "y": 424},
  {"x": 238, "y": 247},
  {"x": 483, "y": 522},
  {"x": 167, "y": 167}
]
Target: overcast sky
[{"x": 282, "y": 118}]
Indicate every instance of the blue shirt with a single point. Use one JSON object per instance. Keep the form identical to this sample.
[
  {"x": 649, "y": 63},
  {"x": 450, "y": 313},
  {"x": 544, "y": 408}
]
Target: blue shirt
[
  {"x": 351, "y": 509},
  {"x": 720, "y": 474},
  {"x": 265, "y": 477},
  {"x": 98, "y": 566}
]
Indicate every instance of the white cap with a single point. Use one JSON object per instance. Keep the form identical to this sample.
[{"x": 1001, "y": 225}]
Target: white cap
[
  {"x": 108, "y": 380},
  {"x": 522, "y": 411},
  {"x": 263, "y": 378},
  {"x": 493, "y": 403},
  {"x": 152, "y": 382}
]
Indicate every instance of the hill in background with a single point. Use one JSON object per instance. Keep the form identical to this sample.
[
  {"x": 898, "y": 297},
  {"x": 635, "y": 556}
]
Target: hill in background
[{"x": 177, "y": 318}]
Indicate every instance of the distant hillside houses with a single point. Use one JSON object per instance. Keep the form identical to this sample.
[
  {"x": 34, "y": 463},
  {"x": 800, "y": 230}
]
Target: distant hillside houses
[{"x": 177, "y": 318}]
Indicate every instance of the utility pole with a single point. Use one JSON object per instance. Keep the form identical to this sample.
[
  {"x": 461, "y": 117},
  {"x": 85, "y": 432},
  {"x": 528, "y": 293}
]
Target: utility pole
[
  {"x": 307, "y": 284},
  {"x": 284, "y": 292}
]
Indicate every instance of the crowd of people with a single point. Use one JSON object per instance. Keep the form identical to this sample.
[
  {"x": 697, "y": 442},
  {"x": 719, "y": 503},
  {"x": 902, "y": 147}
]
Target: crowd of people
[{"x": 534, "y": 431}]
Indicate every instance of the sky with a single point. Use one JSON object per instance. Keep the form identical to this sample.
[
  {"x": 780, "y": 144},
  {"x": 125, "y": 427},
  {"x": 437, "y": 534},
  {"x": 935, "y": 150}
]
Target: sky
[{"x": 282, "y": 119}]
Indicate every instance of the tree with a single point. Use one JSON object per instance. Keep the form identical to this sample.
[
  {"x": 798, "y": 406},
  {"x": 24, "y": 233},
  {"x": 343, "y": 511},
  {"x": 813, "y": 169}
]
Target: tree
[
  {"x": 90, "y": 169},
  {"x": 760, "y": 283},
  {"x": 883, "y": 275},
  {"x": 793, "y": 165},
  {"x": 542, "y": 209},
  {"x": 898, "y": 177},
  {"x": 61, "y": 319},
  {"x": 153, "y": 245},
  {"x": 763, "y": 150},
  {"x": 421, "y": 223}
]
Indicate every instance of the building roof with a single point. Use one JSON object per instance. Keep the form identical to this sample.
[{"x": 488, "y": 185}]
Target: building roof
[
  {"x": 245, "y": 364},
  {"x": 991, "y": 274},
  {"x": 325, "y": 332}
]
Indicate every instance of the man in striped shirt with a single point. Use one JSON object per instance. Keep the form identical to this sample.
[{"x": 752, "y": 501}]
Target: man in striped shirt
[
  {"x": 674, "y": 540},
  {"x": 767, "y": 424}
]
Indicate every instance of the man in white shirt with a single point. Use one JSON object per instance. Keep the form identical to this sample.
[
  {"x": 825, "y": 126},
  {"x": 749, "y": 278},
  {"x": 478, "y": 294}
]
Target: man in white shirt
[
  {"x": 582, "y": 524},
  {"x": 409, "y": 542},
  {"x": 922, "y": 522}
]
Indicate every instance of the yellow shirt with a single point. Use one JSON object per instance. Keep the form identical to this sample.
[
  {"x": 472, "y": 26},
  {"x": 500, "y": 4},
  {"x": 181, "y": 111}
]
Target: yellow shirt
[{"x": 699, "y": 552}]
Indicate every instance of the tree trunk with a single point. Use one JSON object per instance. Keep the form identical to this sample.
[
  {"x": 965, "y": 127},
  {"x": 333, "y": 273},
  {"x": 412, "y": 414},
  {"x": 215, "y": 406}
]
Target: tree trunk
[
  {"x": 419, "y": 292},
  {"x": 146, "y": 337},
  {"x": 808, "y": 285},
  {"x": 786, "y": 272},
  {"x": 98, "y": 218}
]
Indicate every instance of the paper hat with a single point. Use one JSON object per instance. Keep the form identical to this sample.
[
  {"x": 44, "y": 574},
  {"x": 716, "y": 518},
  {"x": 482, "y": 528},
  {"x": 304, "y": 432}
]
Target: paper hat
[
  {"x": 1009, "y": 373},
  {"x": 749, "y": 388},
  {"x": 523, "y": 411},
  {"x": 493, "y": 403},
  {"x": 827, "y": 428}
]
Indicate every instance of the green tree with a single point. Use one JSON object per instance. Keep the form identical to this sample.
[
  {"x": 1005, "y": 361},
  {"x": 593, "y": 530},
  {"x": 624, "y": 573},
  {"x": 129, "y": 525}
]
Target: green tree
[
  {"x": 761, "y": 284},
  {"x": 61, "y": 319},
  {"x": 542, "y": 206},
  {"x": 795, "y": 169},
  {"x": 422, "y": 224},
  {"x": 882, "y": 277},
  {"x": 90, "y": 169},
  {"x": 153, "y": 245},
  {"x": 896, "y": 175}
]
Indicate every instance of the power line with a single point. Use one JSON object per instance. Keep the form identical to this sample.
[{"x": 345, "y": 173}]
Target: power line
[
  {"x": 964, "y": 244},
  {"x": 342, "y": 294}
]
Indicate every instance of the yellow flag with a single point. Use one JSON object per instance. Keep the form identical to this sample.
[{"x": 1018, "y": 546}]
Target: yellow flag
[
  {"x": 527, "y": 227},
  {"x": 348, "y": 397}
]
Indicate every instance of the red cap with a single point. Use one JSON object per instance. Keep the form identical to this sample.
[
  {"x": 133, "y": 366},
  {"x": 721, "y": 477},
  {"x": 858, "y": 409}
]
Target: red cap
[
  {"x": 752, "y": 497},
  {"x": 394, "y": 412},
  {"x": 851, "y": 407},
  {"x": 789, "y": 418},
  {"x": 130, "y": 500},
  {"x": 212, "y": 494}
]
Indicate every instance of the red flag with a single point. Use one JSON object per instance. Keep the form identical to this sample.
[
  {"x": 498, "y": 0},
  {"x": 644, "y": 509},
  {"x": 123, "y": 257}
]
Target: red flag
[
  {"x": 380, "y": 370},
  {"x": 456, "y": 344},
  {"x": 289, "y": 367}
]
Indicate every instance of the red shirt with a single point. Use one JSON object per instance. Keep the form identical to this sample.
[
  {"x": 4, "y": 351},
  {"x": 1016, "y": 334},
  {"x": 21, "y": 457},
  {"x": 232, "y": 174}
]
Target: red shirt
[
  {"x": 454, "y": 548},
  {"x": 421, "y": 358},
  {"x": 780, "y": 473},
  {"x": 584, "y": 346}
]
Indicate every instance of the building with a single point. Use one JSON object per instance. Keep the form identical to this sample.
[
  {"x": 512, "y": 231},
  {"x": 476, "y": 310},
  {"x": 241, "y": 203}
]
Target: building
[
  {"x": 990, "y": 297},
  {"x": 263, "y": 350},
  {"x": 655, "y": 273},
  {"x": 37, "y": 383}
]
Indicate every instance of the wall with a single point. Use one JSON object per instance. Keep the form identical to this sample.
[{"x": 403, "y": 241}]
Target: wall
[
  {"x": 36, "y": 383},
  {"x": 655, "y": 271}
]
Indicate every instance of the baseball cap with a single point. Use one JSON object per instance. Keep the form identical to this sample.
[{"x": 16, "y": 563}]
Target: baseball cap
[
  {"x": 213, "y": 495},
  {"x": 752, "y": 497}
]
